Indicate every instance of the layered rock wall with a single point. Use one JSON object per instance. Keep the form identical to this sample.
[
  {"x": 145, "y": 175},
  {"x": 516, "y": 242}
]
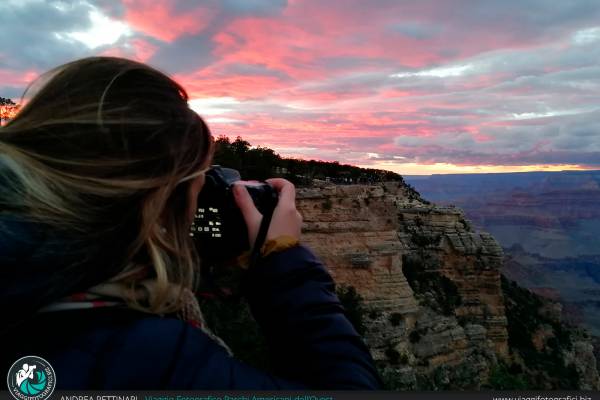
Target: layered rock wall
[{"x": 368, "y": 236}]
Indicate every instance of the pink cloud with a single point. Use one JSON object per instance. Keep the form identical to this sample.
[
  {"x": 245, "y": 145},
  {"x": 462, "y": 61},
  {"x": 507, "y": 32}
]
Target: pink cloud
[
  {"x": 326, "y": 69},
  {"x": 17, "y": 79},
  {"x": 242, "y": 87},
  {"x": 272, "y": 43},
  {"x": 143, "y": 49},
  {"x": 159, "y": 19}
]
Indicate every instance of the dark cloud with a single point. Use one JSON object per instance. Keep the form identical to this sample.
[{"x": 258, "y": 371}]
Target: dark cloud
[
  {"x": 349, "y": 63},
  {"x": 28, "y": 29},
  {"x": 417, "y": 30},
  {"x": 530, "y": 20},
  {"x": 367, "y": 142},
  {"x": 191, "y": 53},
  {"x": 184, "y": 55},
  {"x": 253, "y": 7},
  {"x": 253, "y": 70},
  {"x": 573, "y": 139},
  {"x": 112, "y": 8}
]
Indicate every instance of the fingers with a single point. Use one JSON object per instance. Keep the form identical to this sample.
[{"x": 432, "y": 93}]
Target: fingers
[
  {"x": 286, "y": 220},
  {"x": 245, "y": 203},
  {"x": 287, "y": 191}
]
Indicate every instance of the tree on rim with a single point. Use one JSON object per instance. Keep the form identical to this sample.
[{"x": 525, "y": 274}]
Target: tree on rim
[{"x": 8, "y": 109}]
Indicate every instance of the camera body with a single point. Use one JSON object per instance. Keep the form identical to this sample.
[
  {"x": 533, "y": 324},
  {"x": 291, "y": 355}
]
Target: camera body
[{"x": 218, "y": 229}]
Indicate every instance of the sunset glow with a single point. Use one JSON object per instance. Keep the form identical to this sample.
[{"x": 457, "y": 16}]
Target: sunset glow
[
  {"x": 415, "y": 87},
  {"x": 7, "y": 112},
  {"x": 439, "y": 168}
]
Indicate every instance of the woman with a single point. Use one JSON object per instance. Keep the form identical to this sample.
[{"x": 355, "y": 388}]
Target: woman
[{"x": 100, "y": 174}]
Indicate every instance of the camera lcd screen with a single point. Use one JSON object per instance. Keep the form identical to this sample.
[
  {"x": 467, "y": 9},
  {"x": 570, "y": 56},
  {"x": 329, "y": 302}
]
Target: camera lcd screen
[{"x": 207, "y": 222}]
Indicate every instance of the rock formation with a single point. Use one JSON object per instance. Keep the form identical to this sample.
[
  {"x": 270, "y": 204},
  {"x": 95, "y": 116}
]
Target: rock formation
[{"x": 435, "y": 313}]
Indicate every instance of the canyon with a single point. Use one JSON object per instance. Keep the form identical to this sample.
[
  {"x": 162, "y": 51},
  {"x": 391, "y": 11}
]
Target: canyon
[
  {"x": 437, "y": 312},
  {"x": 548, "y": 224}
]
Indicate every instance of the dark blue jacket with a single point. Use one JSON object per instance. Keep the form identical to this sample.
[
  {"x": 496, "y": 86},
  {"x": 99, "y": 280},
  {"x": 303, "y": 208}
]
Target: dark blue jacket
[{"x": 312, "y": 344}]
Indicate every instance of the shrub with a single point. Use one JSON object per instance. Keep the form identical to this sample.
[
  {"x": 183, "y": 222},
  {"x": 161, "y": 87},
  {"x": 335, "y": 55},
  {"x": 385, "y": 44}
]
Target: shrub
[
  {"x": 503, "y": 378},
  {"x": 393, "y": 379},
  {"x": 395, "y": 319},
  {"x": 392, "y": 354},
  {"x": 466, "y": 225},
  {"x": 414, "y": 336},
  {"x": 444, "y": 291},
  {"x": 524, "y": 319},
  {"x": 354, "y": 307}
]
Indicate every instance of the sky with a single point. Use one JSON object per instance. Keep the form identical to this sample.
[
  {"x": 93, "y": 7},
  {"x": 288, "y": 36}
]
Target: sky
[{"x": 415, "y": 87}]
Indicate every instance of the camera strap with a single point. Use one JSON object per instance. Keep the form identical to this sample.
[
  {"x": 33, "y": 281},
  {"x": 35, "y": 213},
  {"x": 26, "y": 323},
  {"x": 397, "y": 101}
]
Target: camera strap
[{"x": 260, "y": 238}]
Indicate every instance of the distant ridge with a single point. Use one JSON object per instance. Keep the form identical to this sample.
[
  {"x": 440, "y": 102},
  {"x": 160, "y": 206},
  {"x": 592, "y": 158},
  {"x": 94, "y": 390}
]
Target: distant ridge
[{"x": 506, "y": 173}]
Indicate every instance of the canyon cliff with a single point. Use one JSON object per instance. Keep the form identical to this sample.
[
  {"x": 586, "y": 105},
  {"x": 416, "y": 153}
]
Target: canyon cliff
[{"x": 435, "y": 311}]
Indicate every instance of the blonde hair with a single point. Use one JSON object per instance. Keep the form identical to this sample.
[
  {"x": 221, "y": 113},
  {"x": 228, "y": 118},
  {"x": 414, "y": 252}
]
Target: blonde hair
[{"x": 102, "y": 156}]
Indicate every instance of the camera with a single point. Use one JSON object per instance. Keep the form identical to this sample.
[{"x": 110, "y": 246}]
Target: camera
[{"x": 218, "y": 229}]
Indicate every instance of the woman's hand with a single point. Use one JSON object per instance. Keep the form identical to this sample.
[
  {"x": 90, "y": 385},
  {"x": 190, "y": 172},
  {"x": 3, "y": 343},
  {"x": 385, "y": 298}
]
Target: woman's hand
[{"x": 286, "y": 219}]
